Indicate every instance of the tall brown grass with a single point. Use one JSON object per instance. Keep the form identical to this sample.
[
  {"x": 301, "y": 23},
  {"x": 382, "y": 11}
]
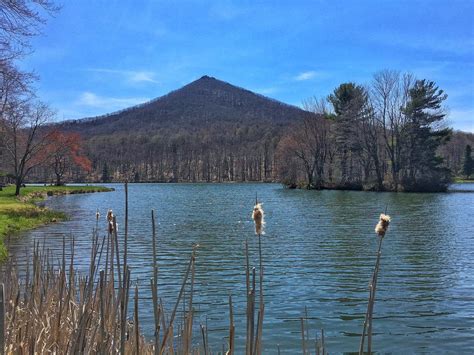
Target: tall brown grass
[{"x": 55, "y": 309}]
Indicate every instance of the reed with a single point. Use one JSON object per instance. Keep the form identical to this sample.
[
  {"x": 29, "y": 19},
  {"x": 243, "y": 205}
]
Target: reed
[
  {"x": 380, "y": 230},
  {"x": 59, "y": 310},
  {"x": 53, "y": 308},
  {"x": 258, "y": 218},
  {"x": 319, "y": 347}
]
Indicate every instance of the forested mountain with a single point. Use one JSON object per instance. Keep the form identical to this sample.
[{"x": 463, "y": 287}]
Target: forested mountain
[
  {"x": 203, "y": 102},
  {"x": 390, "y": 135},
  {"x": 208, "y": 130}
]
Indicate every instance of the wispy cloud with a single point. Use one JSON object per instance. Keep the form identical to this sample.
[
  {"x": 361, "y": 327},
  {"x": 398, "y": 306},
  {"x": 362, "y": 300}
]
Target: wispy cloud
[
  {"x": 132, "y": 76},
  {"x": 307, "y": 75},
  {"x": 141, "y": 76},
  {"x": 108, "y": 104}
]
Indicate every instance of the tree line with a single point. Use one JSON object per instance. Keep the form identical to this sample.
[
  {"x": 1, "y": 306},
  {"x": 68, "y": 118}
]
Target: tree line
[
  {"x": 388, "y": 135},
  {"x": 27, "y": 146}
]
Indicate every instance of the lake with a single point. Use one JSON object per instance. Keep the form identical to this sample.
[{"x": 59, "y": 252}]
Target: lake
[{"x": 319, "y": 252}]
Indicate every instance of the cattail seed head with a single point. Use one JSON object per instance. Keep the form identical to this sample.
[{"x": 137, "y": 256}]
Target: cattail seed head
[
  {"x": 382, "y": 226},
  {"x": 258, "y": 218},
  {"x": 110, "y": 220}
]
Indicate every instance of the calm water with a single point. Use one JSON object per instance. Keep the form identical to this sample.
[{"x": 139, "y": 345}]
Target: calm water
[{"x": 319, "y": 252}]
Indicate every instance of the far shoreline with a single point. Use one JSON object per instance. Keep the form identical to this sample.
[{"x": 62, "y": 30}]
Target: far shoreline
[{"x": 302, "y": 188}]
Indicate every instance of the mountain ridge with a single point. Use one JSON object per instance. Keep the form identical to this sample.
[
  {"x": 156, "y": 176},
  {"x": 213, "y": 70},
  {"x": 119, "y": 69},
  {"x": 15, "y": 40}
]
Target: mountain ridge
[
  {"x": 203, "y": 101},
  {"x": 207, "y": 130}
]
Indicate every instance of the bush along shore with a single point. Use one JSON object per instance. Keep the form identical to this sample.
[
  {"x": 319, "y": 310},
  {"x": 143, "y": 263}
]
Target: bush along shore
[
  {"x": 19, "y": 213},
  {"x": 55, "y": 309}
]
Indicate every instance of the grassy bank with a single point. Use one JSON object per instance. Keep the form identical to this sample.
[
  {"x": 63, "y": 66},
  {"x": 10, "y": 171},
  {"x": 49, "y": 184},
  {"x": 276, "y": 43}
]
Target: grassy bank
[
  {"x": 20, "y": 213},
  {"x": 461, "y": 180}
]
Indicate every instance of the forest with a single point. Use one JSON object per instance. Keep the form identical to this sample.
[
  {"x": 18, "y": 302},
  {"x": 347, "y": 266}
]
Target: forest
[{"x": 390, "y": 135}]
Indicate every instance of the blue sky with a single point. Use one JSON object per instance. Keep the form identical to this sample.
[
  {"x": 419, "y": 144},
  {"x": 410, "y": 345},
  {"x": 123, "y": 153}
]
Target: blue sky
[{"x": 99, "y": 56}]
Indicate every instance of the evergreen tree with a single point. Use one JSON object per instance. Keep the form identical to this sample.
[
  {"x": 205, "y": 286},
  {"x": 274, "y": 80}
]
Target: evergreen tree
[
  {"x": 423, "y": 136},
  {"x": 349, "y": 102},
  {"x": 468, "y": 166},
  {"x": 105, "y": 173}
]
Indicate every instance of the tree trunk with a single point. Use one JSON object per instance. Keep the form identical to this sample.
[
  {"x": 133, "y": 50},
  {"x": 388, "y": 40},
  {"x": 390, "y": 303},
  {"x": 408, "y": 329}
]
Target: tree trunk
[
  {"x": 310, "y": 178},
  {"x": 17, "y": 188},
  {"x": 58, "y": 179}
]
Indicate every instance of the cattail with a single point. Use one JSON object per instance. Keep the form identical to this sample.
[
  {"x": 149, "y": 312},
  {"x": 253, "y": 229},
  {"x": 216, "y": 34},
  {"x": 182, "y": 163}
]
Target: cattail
[
  {"x": 382, "y": 226},
  {"x": 110, "y": 219},
  {"x": 257, "y": 216}
]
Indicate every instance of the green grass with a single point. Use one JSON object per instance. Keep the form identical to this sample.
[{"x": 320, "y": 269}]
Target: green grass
[
  {"x": 462, "y": 180},
  {"x": 18, "y": 214}
]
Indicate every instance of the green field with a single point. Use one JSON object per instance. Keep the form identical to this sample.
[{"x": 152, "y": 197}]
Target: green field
[{"x": 20, "y": 213}]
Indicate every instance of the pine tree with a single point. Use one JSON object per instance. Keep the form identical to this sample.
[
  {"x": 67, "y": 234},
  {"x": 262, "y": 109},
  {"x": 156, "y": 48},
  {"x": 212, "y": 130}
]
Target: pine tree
[
  {"x": 349, "y": 101},
  {"x": 423, "y": 135},
  {"x": 105, "y": 173}
]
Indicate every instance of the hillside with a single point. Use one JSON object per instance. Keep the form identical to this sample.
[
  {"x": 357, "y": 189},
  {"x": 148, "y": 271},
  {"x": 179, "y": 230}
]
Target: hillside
[
  {"x": 208, "y": 130},
  {"x": 202, "y": 103}
]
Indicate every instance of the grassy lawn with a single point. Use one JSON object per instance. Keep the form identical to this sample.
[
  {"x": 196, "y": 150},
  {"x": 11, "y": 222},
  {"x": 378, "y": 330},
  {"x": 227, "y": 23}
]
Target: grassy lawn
[
  {"x": 461, "y": 180},
  {"x": 19, "y": 213}
]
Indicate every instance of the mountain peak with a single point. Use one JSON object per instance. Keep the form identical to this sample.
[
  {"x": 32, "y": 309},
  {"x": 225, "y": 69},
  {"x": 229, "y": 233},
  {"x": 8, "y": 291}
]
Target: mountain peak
[{"x": 202, "y": 103}]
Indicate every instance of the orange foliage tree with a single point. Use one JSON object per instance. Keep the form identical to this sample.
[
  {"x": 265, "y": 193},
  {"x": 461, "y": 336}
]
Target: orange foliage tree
[{"x": 66, "y": 152}]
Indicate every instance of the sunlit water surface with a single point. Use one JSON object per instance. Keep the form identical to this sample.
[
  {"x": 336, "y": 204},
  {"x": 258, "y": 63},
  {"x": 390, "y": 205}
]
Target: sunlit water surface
[{"x": 319, "y": 252}]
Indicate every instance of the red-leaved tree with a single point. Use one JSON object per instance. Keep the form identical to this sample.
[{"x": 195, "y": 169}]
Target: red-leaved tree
[{"x": 66, "y": 152}]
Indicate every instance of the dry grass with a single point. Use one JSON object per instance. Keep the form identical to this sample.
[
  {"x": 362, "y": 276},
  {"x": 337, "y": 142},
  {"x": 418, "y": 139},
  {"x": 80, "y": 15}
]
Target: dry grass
[{"x": 54, "y": 309}]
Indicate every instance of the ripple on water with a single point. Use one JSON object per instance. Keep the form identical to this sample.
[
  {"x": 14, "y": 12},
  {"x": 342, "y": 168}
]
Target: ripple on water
[{"x": 319, "y": 253}]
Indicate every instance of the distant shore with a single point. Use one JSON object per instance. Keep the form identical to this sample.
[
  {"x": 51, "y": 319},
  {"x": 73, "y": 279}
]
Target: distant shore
[{"x": 19, "y": 213}]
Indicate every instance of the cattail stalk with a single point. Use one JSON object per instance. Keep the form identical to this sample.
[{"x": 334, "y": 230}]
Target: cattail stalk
[
  {"x": 136, "y": 326},
  {"x": 258, "y": 218},
  {"x": 168, "y": 331},
  {"x": 154, "y": 287},
  {"x": 303, "y": 340},
  {"x": 231, "y": 327},
  {"x": 247, "y": 283},
  {"x": 380, "y": 229}
]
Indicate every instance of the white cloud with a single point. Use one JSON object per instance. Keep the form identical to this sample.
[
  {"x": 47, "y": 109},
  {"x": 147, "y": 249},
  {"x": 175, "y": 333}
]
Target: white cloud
[
  {"x": 90, "y": 99},
  {"x": 140, "y": 76},
  {"x": 307, "y": 75},
  {"x": 132, "y": 76}
]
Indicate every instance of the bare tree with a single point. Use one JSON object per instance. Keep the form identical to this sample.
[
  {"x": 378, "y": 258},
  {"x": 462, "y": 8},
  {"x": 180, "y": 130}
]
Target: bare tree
[
  {"x": 318, "y": 105},
  {"x": 308, "y": 142},
  {"x": 19, "y": 21},
  {"x": 390, "y": 93},
  {"x": 25, "y": 138}
]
